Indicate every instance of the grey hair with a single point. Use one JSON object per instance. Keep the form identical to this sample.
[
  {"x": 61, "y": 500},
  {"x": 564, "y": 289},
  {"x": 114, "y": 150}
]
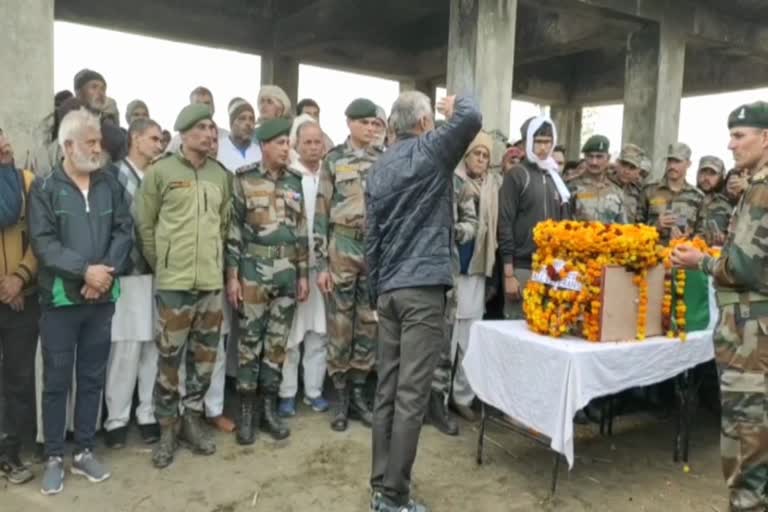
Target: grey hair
[
  {"x": 140, "y": 126},
  {"x": 299, "y": 123},
  {"x": 74, "y": 123},
  {"x": 409, "y": 108}
]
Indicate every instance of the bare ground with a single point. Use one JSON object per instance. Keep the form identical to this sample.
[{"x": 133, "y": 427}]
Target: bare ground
[{"x": 317, "y": 469}]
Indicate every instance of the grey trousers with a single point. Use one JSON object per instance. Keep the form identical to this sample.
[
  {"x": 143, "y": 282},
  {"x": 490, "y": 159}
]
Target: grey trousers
[{"x": 411, "y": 335}]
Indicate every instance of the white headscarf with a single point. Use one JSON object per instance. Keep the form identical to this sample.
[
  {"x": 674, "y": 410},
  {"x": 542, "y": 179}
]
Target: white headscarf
[{"x": 548, "y": 164}]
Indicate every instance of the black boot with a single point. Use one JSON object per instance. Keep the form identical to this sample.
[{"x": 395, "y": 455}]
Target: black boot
[
  {"x": 246, "y": 433},
  {"x": 163, "y": 451},
  {"x": 439, "y": 417},
  {"x": 195, "y": 432},
  {"x": 340, "y": 420},
  {"x": 270, "y": 421},
  {"x": 359, "y": 405}
]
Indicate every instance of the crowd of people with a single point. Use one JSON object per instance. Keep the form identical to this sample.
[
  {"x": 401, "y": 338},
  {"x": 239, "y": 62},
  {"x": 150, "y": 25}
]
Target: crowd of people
[{"x": 155, "y": 265}]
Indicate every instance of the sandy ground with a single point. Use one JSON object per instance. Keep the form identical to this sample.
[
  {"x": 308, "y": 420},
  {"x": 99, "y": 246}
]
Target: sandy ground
[{"x": 317, "y": 469}]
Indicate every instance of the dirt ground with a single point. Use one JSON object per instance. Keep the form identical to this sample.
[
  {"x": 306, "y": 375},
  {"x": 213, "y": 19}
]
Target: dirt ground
[{"x": 317, "y": 469}]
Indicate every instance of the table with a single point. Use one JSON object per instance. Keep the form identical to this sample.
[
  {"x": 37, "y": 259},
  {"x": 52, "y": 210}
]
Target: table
[{"x": 541, "y": 381}]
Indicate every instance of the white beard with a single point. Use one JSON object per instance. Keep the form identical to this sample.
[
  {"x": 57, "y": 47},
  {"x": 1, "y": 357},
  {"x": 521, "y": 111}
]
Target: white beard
[{"x": 85, "y": 163}]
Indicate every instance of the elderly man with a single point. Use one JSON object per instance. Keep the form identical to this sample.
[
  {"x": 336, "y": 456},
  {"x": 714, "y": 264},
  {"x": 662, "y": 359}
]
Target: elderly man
[
  {"x": 309, "y": 322},
  {"x": 78, "y": 288},
  {"x": 380, "y": 123},
  {"x": 741, "y": 280},
  {"x": 594, "y": 197},
  {"x": 238, "y": 149},
  {"x": 91, "y": 90},
  {"x": 273, "y": 103},
  {"x": 133, "y": 356},
  {"x": 715, "y": 208},
  {"x": 672, "y": 205},
  {"x": 200, "y": 95},
  {"x": 19, "y": 313},
  {"x": 410, "y": 219},
  {"x": 627, "y": 178},
  {"x": 183, "y": 214},
  {"x": 339, "y": 235},
  {"x": 267, "y": 269},
  {"x": 136, "y": 109}
]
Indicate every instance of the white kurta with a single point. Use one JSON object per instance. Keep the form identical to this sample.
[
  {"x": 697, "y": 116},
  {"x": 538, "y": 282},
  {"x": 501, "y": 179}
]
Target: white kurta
[{"x": 233, "y": 158}]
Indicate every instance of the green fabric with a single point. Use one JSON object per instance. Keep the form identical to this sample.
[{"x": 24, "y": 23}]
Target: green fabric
[
  {"x": 190, "y": 116},
  {"x": 360, "y": 109},
  {"x": 116, "y": 290},
  {"x": 596, "y": 144},
  {"x": 272, "y": 129},
  {"x": 60, "y": 297},
  {"x": 754, "y": 115},
  {"x": 696, "y": 298}
]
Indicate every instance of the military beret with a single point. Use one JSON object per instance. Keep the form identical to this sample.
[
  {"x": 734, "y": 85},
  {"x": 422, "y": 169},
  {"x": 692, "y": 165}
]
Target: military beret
[
  {"x": 753, "y": 115},
  {"x": 360, "y": 109},
  {"x": 632, "y": 154},
  {"x": 87, "y": 75},
  {"x": 273, "y": 128},
  {"x": 712, "y": 162},
  {"x": 597, "y": 144},
  {"x": 191, "y": 115},
  {"x": 679, "y": 151}
]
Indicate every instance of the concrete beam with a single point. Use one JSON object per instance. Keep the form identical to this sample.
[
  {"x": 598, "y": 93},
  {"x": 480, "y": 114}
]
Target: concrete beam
[
  {"x": 281, "y": 71},
  {"x": 426, "y": 86},
  {"x": 26, "y": 51}
]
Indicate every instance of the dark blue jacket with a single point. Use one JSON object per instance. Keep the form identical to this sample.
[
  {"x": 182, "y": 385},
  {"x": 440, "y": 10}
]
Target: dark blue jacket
[{"x": 409, "y": 208}]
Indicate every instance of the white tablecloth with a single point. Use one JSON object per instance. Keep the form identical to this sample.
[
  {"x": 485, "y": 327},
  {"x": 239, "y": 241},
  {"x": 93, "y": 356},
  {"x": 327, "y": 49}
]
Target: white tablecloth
[{"x": 542, "y": 381}]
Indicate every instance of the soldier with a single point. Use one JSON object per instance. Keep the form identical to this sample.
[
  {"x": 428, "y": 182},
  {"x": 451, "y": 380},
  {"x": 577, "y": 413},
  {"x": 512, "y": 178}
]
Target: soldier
[
  {"x": 715, "y": 208},
  {"x": 672, "y": 205},
  {"x": 593, "y": 196},
  {"x": 183, "y": 212},
  {"x": 741, "y": 337},
  {"x": 628, "y": 177},
  {"x": 267, "y": 267},
  {"x": 339, "y": 244}
]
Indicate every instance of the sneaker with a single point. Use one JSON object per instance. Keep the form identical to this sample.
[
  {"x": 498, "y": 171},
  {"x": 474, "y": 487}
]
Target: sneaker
[
  {"x": 386, "y": 506},
  {"x": 12, "y": 469},
  {"x": 53, "y": 476},
  {"x": 318, "y": 404},
  {"x": 287, "y": 407},
  {"x": 150, "y": 433},
  {"x": 115, "y": 439},
  {"x": 87, "y": 465}
]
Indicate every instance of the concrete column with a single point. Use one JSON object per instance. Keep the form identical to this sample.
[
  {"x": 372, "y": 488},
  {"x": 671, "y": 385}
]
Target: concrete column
[
  {"x": 653, "y": 89},
  {"x": 26, "y": 53},
  {"x": 426, "y": 86},
  {"x": 481, "y": 54},
  {"x": 282, "y": 71},
  {"x": 567, "y": 119}
]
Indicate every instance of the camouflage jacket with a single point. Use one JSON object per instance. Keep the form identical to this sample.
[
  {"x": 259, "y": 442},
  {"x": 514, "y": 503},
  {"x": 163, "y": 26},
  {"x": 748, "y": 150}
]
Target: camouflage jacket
[
  {"x": 743, "y": 263},
  {"x": 632, "y": 194},
  {"x": 658, "y": 198},
  {"x": 267, "y": 212},
  {"x": 597, "y": 199},
  {"x": 715, "y": 215},
  {"x": 340, "y": 195}
]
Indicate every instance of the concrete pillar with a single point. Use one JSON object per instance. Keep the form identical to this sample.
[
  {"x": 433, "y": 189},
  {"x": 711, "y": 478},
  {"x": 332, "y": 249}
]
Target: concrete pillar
[
  {"x": 653, "y": 89},
  {"x": 282, "y": 71},
  {"x": 426, "y": 86},
  {"x": 567, "y": 119},
  {"x": 26, "y": 82},
  {"x": 481, "y": 54}
]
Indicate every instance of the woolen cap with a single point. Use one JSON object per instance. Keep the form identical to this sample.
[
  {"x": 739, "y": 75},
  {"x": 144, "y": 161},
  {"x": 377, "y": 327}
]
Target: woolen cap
[
  {"x": 276, "y": 93},
  {"x": 86, "y": 75},
  {"x": 754, "y": 115},
  {"x": 360, "y": 109},
  {"x": 133, "y": 106},
  {"x": 597, "y": 144},
  {"x": 237, "y": 106},
  {"x": 191, "y": 115},
  {"x": 273, "y": 128},
  {"x": 679, "y": 151}
]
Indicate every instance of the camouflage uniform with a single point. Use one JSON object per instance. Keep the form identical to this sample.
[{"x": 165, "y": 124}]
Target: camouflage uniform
[
  {"x": 597, "y": 199},
  {"x": 658, "y": 198},
  {"x": 741, "y": 342},
  {"x": 339, "y": 244},
  {"x": 632, "y": 196},
  {"x": 715, "y": 215},
  {"x": 268, "y": 247},
  {"x": 465, "y": 228}
]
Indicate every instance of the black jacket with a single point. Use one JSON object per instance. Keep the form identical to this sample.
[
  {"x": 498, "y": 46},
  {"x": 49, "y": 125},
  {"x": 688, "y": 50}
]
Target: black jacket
[
  {"x": 68, "y": 235},
  {"x": 409, "y": 213},
  {"x": 527, "y": 197}
]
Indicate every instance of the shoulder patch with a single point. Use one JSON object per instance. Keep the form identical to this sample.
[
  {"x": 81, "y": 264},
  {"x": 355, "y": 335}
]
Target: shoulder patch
[
  {"x": 247, "y": 168},
  {"x": 760, "y": 176}
]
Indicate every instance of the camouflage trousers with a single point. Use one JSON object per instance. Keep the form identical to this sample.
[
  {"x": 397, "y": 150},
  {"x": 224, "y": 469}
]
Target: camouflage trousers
[
  {"x": 441, "y": 378},
  {"x": 741, "y": 346},
  {"x": 269, "y": 303},
  {"x": 190, "y": 328},
  {"x": 352, "y": 324}
]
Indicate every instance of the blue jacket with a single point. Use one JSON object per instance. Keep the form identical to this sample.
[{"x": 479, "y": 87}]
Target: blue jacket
[{"x": 409, "y": 209}]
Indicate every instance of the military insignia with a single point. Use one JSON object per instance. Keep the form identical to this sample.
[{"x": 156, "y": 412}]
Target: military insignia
[
  {"x": 179, "y": 184},
  {"x": 742, "y": 114},
  {"x": 296, "y": 196},
  {"x": 341, "y": 169}
]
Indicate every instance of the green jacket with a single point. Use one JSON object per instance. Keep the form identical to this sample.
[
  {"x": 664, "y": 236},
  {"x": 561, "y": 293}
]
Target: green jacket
[{"x": 183, "y": 217}]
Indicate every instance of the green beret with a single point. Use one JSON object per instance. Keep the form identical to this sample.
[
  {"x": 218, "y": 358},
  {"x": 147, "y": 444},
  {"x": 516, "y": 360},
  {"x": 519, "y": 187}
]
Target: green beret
[
  {"x": 597, "y": 144},
  {"x": 273, "y": 128},
  {"x": 191, "y": 115},
  {"x": 754, "y": 115},
  {"x": 360, "y": 109}
]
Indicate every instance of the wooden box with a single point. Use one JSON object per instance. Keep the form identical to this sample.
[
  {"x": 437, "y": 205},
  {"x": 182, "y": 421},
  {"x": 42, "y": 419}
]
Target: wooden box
[{"x": 620, "y": 300}]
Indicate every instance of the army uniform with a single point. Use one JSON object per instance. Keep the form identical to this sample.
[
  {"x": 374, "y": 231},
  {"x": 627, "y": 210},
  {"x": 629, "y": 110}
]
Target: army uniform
[
  {"x": 633, "y": 155},
  {"x": 267, "y": 248},
  {"x": 183, "y": 216},
  {"x": 597, "y": 199},
  {"x": 339, "y": 245},
  {"x": 658, "y": 198},
  {"x": 741, "y": 335},
  {"x": 715, "y": 208}
]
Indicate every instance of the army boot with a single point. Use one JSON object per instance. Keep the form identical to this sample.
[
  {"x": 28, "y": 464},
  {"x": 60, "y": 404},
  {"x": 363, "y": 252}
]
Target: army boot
[
  {"x": 359, "y": 406},
  {"x": 439, "y": 417},
  {"x": 270, "y": 421},
  {"x": 340, "y": 420},
  {"x": 162, "y": 452},
  {"x": 246, "y": 426},
  {"x": 195, "y": 432}
]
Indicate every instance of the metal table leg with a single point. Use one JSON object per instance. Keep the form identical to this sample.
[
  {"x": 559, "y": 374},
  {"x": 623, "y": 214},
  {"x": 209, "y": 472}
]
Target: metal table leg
[
  {"x": 555, "y": 473},
  {"x": 481, "y": 434}
]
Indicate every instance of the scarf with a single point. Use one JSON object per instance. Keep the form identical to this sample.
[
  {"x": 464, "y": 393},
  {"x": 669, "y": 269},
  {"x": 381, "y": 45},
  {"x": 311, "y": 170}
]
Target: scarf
[
  {"x": 485, "y": 243},
  {"x": 11, "y": 195},
  {"x": 548, "y": 164}
]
